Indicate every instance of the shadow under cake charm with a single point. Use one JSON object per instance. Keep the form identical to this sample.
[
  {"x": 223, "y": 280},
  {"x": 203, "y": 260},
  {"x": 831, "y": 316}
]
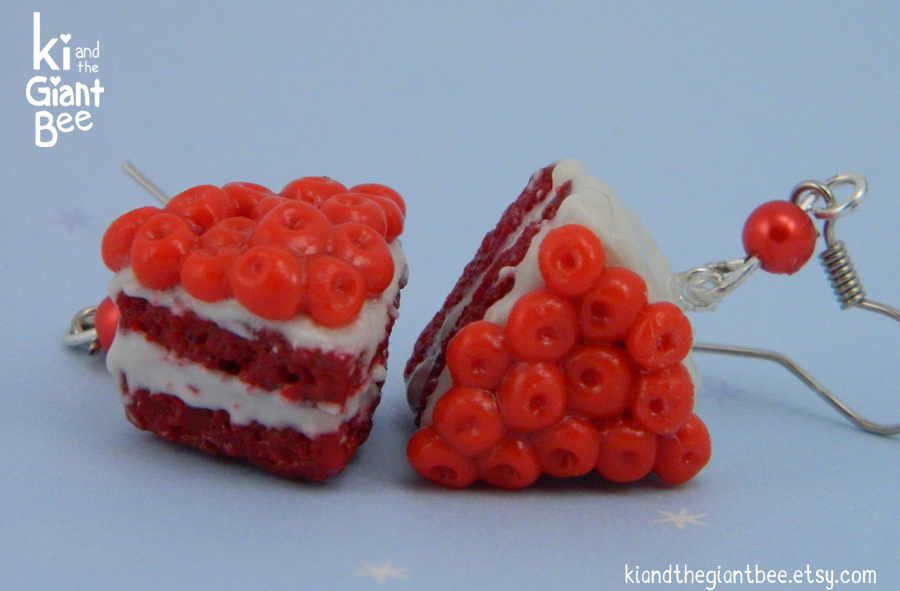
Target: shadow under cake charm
[
  {"x": 252, "y": 324},
  {"x": 560, "y": 351}
]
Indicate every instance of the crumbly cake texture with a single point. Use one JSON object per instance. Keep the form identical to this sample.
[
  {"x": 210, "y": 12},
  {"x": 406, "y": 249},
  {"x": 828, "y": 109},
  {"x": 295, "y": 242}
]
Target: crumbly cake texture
[
  {"x": 256, "y": 325},
  {"x": 561, "y": 350}
]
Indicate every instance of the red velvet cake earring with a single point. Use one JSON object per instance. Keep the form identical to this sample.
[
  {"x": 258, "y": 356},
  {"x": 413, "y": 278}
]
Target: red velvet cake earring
[
  {"x": 563, "y": 348},
  {"x": 252, "y": 324}
]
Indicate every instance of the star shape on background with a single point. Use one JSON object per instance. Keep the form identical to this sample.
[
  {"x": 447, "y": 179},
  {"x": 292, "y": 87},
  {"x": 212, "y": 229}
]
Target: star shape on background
[
  {"x": 384, "y": 572},
  {"x": 722, "y": 392},
  {"x": 72, "y": 219},
  {"x": 681, "y": 518}
]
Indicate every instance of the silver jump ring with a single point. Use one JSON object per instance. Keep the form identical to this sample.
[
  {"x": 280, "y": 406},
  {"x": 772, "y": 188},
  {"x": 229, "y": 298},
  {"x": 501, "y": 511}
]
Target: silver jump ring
[
  {"x": 839, "y": 210},
  {"x": 805, "y": 194}
]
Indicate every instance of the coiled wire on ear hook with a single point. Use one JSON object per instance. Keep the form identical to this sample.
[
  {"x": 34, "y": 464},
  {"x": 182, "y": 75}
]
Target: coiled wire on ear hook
[{"x": 702, "y": 289}]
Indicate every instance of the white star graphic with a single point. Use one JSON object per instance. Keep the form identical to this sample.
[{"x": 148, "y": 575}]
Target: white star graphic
[
  {"x": 383, "y": 573},
  {"x": 681, "y": 518}
]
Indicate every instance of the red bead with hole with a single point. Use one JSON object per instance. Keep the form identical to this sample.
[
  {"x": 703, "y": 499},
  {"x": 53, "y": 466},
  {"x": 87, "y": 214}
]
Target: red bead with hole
[
  {"x": 204, "y": 273},
  {"x": 268, "y": 281},
  {"x": 610, "y": 307},
  {"x": 781, "y": 236},
  {"x": 532, "y": 396},
  {"x": 203, "y": 205},
  {"x": 468, "y": 419},
  {"x": 159, "y": 247},
  {"x": 115, "y": 249},
  {"x": 234, "y": 232},
  {"x": 569, "y": 448},
  {"x": 312, "y": 189},
  {"x": 660, "y": 337},
  {"x": 511, "y": 464},
  {"x": 599, "y": 380},
  {"x": 627, "y": 450},
  {"x": 355, "y": 207},
  {"x": 335, "y": 291},
  {"x": 436, "y": 460},
  {"x": 570, "y": 259},
  {"x": 663, "y": 400},
  {"x": 541, "y": 326},
  {"x": 682, "y": 455},
  {"x": 477, "y": 356},
  {"x": 297, "y": 226},
  {"x": 367, "y": 250}
]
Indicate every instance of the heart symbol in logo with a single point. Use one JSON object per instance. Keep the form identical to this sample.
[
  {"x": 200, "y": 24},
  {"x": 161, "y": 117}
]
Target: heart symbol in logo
[
  {"x": 65, "y": 37},
  {"x": 55, "y": 80}
]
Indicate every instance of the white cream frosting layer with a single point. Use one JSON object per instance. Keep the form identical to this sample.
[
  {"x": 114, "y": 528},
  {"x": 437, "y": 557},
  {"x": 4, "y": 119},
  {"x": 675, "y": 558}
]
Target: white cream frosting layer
[
  {"x": 146, "y": 365},
  {"x": 366, "y": 332},
  {"x": 593, "y": 204}
]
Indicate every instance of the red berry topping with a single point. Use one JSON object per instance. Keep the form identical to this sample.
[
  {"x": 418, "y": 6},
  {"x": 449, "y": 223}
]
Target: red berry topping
[
  {"x": 106, "y": 320},
  {"x": 392, "y": 214},
  {"x": 541, "y": 327},
  {"x": 781, "y": 236},
  {"x": 365, "y": 249},
  {"x": 600, "y": 380},
  {"x": 568, "y": 449},
  {"x": 661, "y": 336},
  {"x": 116, "y": 246},
  {"x": 336, "y": 291},
  {"x": 229, "y": 232},
  {"x": 312, "y": 189},
  {"x": 681, "y": 455},
  {"x": 268, "y": 281},
  {"x": 477, "y": 356},
  {"x": 158, "y": 249},
  {"x": 355, "y": 207},
  {"x": 439, "y": 462},
  {"x": 468, "y": 419},
  {"x": 246, "y": 196},
  {"x": 627, "y": 450},
  {"x": 663, "y": 400},
  {"x": 532, "y": 396},
  {"x": 383, "y": 191},
  {"x": 511, "y": 464},
  {"x": 609, "y": 308},
  {"x": 265, "y": 205},
  {"x": 571, "y": 259},
  {"x": 204, "y": 273},
  {"x": 203, "y": 205},
  {"x": 295, "y": 225}
]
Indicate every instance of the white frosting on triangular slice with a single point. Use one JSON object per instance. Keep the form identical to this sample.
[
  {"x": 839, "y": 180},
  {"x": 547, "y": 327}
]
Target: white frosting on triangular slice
[{"x": 593, "y": 204}]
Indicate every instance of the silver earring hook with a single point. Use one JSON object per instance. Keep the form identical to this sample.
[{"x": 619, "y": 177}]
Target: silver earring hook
[{"x": 703, "y": 288}]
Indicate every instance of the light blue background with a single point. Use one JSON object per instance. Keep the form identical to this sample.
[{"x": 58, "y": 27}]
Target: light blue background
[{"x": 694, "y": 112}]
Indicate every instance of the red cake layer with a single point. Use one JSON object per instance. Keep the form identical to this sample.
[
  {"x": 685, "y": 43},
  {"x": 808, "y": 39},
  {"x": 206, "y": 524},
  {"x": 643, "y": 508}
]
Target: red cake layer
[
  {"x": 488, "y": 263},
  {"x": 267, "y": 361},
  {"x": 285, "y": 452}
]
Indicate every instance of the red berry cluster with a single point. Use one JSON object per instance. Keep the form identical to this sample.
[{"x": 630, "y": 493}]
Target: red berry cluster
[
  {"x": 585, "y": 376},
  {"x": 316, "y": 248}
]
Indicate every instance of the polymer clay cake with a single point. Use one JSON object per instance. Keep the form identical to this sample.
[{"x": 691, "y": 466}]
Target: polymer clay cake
[
  {"x": 561, "y": 350},
  {"x": 256, "y": 325}
]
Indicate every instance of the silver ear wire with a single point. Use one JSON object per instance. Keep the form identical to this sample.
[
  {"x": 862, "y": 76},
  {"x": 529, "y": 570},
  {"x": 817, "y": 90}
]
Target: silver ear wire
[
  {"x": 146, "y": 183},
  {"x": 838, "y": 268}
]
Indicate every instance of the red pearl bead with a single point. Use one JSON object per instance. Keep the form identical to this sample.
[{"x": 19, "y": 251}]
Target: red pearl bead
[
  {"x": 106, "y": 319},
  {"x": 781, "y": 236}
]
